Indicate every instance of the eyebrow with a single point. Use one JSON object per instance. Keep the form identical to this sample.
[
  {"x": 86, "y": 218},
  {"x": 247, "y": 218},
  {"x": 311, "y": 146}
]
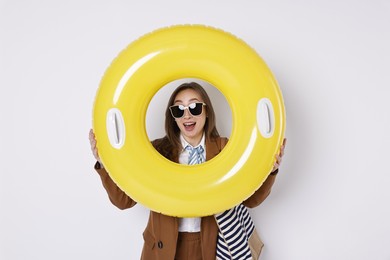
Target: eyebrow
[{"x": 192, "y": 99}]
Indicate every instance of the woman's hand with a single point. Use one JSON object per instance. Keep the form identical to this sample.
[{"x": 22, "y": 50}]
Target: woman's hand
[
  {"x": 279, "y": 156},
  {"x": 92, "y": 141}
]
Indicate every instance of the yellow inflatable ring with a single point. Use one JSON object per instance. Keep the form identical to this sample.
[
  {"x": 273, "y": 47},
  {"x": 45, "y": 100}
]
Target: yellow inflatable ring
[{"x": 177, "y": 52}]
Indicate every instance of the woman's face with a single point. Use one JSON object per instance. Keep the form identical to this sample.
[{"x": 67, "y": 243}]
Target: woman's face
[{"x": 191, "y": 127}]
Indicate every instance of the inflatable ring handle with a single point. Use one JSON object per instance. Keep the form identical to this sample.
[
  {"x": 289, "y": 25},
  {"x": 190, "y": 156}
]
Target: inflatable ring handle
[{"x": 214, "y": 56}]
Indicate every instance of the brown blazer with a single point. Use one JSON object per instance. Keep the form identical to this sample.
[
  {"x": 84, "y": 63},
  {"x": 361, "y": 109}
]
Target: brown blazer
[{"x": 161, "y": 233}]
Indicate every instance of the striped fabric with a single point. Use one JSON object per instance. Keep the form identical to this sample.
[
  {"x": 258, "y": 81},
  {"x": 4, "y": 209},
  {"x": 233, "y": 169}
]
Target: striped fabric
[
  {"x": 196, "y": 155},
  {"x": 235, "y": 228},
  {"x": 235, "y": 225}
]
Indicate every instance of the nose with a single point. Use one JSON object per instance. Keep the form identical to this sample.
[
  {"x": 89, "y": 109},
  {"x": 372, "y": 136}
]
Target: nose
[{"x": 187, "y": 113}]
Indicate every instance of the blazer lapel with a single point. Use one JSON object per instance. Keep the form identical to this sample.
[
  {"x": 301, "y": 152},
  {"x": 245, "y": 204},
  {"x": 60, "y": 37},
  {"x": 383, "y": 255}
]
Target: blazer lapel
[{"x": 212, "y": 148}]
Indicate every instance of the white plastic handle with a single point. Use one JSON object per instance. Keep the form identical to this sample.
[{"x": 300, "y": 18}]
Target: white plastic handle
[
  {"x": 265, "y": 118},
  {"x": 115, "y": 128}
]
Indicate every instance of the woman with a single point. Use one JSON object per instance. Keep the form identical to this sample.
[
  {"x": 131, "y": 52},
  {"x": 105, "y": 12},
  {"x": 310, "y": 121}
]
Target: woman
[{"x": 189, "y": 125}]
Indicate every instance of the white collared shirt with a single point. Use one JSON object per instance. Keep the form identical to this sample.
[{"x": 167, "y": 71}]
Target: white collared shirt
[
  {"x": 189, "y": 224},
  {"x": 184, "y": 154}
]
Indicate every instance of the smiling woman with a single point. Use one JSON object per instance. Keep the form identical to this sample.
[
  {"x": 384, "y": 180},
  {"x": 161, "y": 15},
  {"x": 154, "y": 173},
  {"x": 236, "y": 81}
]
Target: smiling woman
[
  {"x": 189, "y": 115},
  {"x": 155, "y": 114}
]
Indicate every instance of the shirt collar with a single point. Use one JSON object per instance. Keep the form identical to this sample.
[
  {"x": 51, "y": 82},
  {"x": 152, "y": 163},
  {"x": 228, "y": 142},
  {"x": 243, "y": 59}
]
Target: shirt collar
[{"x": 184, "y": 143}]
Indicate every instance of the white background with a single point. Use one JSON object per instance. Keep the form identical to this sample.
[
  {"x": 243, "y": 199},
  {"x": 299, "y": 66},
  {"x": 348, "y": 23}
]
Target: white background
[{"x": 331, "y": 58}]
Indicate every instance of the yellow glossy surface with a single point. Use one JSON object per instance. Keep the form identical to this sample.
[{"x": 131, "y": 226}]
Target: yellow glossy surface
[{"x": 188, "y": 51}]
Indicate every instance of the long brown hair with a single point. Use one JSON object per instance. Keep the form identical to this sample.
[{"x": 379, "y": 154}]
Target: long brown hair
[{"x": 170, "y": 144}]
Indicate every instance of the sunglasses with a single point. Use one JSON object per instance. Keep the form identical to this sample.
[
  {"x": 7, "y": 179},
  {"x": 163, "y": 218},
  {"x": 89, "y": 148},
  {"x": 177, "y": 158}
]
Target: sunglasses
[{"x": 194, "y": 108}]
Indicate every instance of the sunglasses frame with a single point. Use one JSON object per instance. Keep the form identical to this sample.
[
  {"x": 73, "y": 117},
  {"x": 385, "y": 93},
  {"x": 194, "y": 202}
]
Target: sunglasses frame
[{"x": 188, "y": 108}]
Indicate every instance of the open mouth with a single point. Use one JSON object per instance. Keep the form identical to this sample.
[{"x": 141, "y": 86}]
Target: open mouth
[{"x": 189, "y": 126}]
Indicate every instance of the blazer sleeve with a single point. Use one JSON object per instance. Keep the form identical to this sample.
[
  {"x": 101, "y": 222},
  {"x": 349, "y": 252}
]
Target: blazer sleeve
[
  {"x": 262, "y": 193},
  {"x": 117, "y": 197}
]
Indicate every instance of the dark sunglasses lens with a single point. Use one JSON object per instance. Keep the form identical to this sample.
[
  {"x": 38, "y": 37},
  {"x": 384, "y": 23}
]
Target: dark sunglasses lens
[
  {"x": 177, "y": 112},
  {"x": 197, "y": 110}
]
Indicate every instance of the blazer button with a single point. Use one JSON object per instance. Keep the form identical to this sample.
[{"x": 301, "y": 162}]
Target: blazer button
[{"x": 160, "y": 244}]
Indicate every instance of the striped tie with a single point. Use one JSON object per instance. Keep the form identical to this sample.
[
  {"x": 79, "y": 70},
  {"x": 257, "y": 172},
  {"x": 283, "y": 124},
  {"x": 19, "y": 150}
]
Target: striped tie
[{"x": 196, "y": 154}]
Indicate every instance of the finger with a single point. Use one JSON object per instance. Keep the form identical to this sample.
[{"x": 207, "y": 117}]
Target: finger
[
  {"x": 281, "y": 153},
  {"x": 91, "y": 134},
  {"x": 96, "y": 154},
  {"x": 276, "y": 166},
  {"x": 282, "y": 147},
  {"x": 280, "y": 161},
  {"x": 91, "y": 137},
  {"x": 92, "y": 143},
  {"x": 284, "y": 143}
]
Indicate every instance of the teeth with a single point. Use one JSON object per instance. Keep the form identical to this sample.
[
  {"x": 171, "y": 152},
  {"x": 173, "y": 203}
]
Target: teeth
[{"x": 188, "y": 124}]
